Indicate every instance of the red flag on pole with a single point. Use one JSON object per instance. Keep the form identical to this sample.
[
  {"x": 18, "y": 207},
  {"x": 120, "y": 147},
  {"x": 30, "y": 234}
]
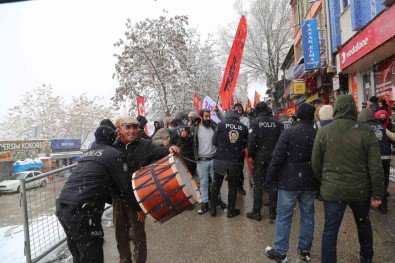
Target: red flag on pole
[
  {"x": 257, "y": 98},
  {"x": 248, "y": 105},
  {"x": 233, "y": 65},
  {"x": 232, "y": 102},
  {"x": 141, "y": 110},
  {"x": 196, "y": 102}
]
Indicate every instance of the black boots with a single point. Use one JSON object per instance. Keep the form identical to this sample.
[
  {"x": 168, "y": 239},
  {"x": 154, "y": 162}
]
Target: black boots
[
  {"x": 272, "y": 213},
  {"x": 241, "y": 190},
  {"x": 213, "y": 208},
  {"x": 203, "y": 209},
  {"x": 221, "y": 204},
  {"x": 233, "y": 212},
  {"x": 254, "y": 215}
]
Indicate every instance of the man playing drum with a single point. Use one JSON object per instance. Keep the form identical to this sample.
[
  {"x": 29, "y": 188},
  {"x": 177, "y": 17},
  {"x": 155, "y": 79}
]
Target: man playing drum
[{"x": 130, "y": 223}]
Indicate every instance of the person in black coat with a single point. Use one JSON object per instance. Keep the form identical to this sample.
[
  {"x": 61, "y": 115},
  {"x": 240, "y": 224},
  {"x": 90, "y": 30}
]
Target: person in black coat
[
  {"x": 230, "y": 138},
  {"x": 80, "y": 205},
  {"x": 183, "y": 138},
  {"x": 143, "y": 121},
  {"x": 262, "y": 138},
  {"x": 291, "y": 172},
  {"x": 139, "y": 153},
  {"x": 366, "y": 116}
]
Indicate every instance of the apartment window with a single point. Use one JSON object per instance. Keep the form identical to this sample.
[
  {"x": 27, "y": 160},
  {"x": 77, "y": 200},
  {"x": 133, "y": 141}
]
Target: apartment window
[{"x": 344, "y": 4}]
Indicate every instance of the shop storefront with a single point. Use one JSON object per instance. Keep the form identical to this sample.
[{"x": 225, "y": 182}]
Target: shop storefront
[
  {"x": 65, "y": 152},
  {"x": 368, "y": 59},
  {"x": 11, "y": 151}
]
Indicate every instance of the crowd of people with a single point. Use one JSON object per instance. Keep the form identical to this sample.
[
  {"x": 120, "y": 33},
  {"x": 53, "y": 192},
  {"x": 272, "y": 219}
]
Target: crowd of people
[{"x": 325, "y": 152}]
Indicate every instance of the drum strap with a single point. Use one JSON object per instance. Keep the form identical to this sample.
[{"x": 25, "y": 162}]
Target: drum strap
[{"x": 187, "y": 158}]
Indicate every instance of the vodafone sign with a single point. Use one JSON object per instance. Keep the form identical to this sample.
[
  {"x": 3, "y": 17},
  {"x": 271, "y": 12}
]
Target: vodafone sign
[
  {"x": 359, "y": 47},
  {"x": 377, "y": 33}
]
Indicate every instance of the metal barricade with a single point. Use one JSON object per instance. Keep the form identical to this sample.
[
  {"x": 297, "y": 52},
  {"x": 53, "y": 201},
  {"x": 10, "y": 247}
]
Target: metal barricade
[
  {"x": 392, "y": 174},
  {"x": 42, "y": 230}
]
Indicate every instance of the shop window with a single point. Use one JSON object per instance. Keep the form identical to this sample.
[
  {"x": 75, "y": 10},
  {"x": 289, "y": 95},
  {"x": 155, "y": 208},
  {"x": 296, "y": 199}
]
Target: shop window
[
  {"x": 344, "y": 4},
  {"x": 367, "y": 86}
]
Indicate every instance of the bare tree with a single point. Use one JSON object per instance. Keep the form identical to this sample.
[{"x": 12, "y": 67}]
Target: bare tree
[
  {"x": 163, "y": 61},
  {"x": 268, "y": 38}
]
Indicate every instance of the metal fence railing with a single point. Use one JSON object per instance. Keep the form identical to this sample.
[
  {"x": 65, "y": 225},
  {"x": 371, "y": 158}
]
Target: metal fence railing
[
  {"x": 42, "y": 230},
  {"x": 392, "y": 174}
]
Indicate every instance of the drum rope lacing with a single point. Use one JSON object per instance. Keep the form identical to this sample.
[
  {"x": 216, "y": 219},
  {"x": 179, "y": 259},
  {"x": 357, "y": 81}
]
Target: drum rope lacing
[
  {"x": 187, "y": 158},
  {"x": 165, "y": 194}
]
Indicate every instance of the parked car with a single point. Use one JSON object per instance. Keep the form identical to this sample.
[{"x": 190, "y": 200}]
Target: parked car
[{"x": 12, "y": 183}]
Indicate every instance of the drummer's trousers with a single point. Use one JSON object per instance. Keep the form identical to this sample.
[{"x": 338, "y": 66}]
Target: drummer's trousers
[{"x": 127, "y": 228}]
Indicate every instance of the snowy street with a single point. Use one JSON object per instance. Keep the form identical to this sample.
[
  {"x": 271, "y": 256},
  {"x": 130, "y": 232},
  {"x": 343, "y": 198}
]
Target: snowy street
[{"x": 190, "y": 237}]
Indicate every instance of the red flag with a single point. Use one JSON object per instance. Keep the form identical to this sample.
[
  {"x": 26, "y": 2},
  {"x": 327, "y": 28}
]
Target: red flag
[
  {"x": 248, "y": 105},
  {"x": 232, "y": 102},
  {"x": 257, "y": 98},
  {"x": 141, "y": 110},
  {"x": 196, "y": 102},
  {"x": 233, "y": 65}
]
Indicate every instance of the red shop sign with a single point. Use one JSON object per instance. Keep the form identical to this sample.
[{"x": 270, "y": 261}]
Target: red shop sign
[{"x": 378, "y": 32}]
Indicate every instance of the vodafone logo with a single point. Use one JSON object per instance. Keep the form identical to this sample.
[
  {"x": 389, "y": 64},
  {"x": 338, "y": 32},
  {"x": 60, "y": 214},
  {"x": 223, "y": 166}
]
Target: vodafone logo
[
  {"x": 354, "y": 49},
  {"x": 141, "y": 109},
  {"x": 343, "y": 57}
]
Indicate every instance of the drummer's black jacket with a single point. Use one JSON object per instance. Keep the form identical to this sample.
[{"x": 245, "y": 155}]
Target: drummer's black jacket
[
  {"x": 263, "y": 135},
  {"x": 140, "y": 153},
  {"x": 101, "y": 170}
]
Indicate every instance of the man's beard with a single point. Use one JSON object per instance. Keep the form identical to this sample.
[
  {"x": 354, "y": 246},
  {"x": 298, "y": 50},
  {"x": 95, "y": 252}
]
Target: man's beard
[{"x": 207, "y": 123}]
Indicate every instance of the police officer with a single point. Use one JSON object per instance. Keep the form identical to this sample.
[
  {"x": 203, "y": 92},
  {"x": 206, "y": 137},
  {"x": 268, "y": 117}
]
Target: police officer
[
  {"x": 246, "y": 121},
  {"x": 81, "y": 202},
  {"x": 230, "y": 138},
  {"x": 262, "y": 138}
]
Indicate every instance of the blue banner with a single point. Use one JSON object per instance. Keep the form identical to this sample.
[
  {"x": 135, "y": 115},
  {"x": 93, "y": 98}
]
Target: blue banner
[
  {"x": 311, "y": 44},
  {"x": 66, "y": 144}
]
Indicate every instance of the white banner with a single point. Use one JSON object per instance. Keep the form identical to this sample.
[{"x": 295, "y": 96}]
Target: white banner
[{"x": 208, "y": 103}]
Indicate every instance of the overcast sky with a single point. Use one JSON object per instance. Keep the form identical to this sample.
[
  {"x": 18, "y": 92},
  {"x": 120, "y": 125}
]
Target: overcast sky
[{"x": 69, "y": 43}]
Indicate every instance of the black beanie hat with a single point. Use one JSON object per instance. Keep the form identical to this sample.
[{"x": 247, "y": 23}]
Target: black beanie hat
[
  {"x": 105, "y": 135},
  {"x": 108, "y": 123},
  {"x": 177, "y": 122},
  {"x": 373, "y": 99},
  {"x": 261, "y": 107},
  {"x": 143, "y": 121},
  {"x": 305, "y": 112}
]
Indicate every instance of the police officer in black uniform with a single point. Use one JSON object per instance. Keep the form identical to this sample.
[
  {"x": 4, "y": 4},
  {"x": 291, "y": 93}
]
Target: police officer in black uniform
[
  {"x": 81, "y": 202},
  {"x": 262, "y": 138},
  {"x": 230, "y": 138}
]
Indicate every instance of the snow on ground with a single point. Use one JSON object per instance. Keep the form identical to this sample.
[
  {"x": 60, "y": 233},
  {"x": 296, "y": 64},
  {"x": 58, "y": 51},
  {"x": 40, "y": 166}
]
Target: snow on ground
[
  {"x": 12, "y": 240},
  {"x": 11, "y": 244}
]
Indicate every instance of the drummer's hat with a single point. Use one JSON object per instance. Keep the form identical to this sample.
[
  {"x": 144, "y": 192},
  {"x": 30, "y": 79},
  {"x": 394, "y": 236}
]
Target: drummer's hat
[{"x": 129, "y": 120}]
